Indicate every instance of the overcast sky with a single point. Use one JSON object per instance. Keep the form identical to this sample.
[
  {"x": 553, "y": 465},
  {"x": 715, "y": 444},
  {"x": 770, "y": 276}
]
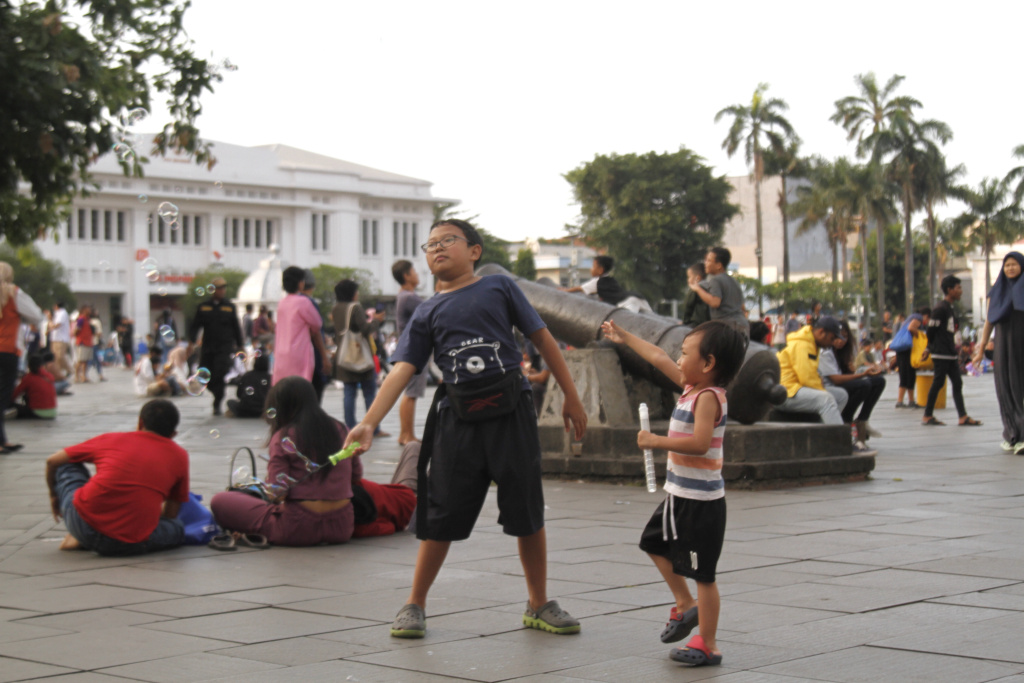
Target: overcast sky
[{"x": 493, "y": 102}]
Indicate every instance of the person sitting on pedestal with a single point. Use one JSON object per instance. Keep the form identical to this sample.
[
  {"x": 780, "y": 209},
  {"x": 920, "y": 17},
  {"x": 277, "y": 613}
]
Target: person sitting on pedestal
[{"x": 798, "y": 364}]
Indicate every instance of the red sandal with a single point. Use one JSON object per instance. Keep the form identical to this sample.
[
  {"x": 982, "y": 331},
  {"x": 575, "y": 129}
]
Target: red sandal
[{"x": 695, "y": 653}]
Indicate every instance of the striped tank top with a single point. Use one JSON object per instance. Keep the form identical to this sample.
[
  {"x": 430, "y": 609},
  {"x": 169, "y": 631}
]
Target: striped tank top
[{"x": 698, "y": 477}]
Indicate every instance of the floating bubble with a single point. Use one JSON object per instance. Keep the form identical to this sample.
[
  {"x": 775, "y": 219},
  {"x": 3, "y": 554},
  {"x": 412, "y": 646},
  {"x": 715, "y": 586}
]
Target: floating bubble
[
  {"x": 162, "y": 291},
  {"x": 153, "y": 275},
  {"x": 200, "y": 291},
  {"x": 149, "y": 264},
  {"x": 287, "y": 445},
  {"x": 249, "y": 391},
  {"x": 257, "y": 353},
  {"x": 210, "y": 289},
  {"x": 203, "y": 375},
  {"x": 263, "y": 382},
  {"x": 123, "y": 151},
  {"x": 241, "y": 475},
  {"x": 167, "y": 334},
  {"x": 240, "y": 355},
  {"x": 284, "y": 479},
  {"x": 167, "y": 211},
  {"x": 173, "y": 225},
  {"x": 214, "y": 433},
  {"x": 218, "y": 183},
  {"x": 194, "y": 387},
  {"x": 272, "y": 413},
  {"x": 132, "y": 117},
  {"x": 143, "y": 198},
  {"x": 105, "y": 265}
]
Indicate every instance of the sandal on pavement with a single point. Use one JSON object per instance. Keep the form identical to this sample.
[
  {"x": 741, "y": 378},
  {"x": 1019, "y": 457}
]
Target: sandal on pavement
[
  {"x": 970, "y": 422},
  {"x": 551, "y": 618},
  {"x": 932, "y": 422},
  {"x": 679, "y": 625},
  {"x": 258, "y": 541},
  {"x": 222, "y": 542},
  {"x": 695, "y": 654},
  {"x": 410, "y": 622}
]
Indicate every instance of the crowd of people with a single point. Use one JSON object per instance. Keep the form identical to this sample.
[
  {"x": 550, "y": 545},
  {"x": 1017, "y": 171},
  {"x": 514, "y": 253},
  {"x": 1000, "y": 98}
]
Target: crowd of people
[{"x": 482, "y": 424}]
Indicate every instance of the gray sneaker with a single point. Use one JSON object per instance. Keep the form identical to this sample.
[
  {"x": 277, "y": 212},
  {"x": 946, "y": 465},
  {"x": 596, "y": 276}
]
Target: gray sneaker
[
  {"x": 410, "y": 622},
  {"x": 551, "y": 618}
]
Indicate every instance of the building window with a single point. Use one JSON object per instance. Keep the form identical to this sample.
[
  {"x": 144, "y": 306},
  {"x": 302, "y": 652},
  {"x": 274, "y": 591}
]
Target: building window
[
  {"x": 186, "y": 228},
  {"x": 376, "y": 238},
  {"x": 82, "y": 213},
  {"x": 248, "y": 232},
  {"x": 270, "y": 232},
  {"x": 314, "y": 228},
  {"x": 414, "y": 240},
  {"x": 95, "y": 225},
  {"x": 70, "y": 234},
  {"x": 258, "y": 231},
  {"x": 234, "y": 232},
  {"x": 324, "y": 223},
  {"x": 394, "y": 238},
  {"x": 405, "y": 240},
  {"x": 120, "y": 226},
  {"x": 197, "y": 226},
  {"x": 108, "y": 226},
  {"x": 365, "y": 242}
]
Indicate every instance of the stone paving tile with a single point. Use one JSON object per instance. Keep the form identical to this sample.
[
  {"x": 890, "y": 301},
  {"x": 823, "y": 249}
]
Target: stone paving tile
[
  {"x": 336, "y": 671},
  {"x": 280, "y": 595},
  {"x": 180, "y": 608},
  {"x": 257, "y": 626},
  {"x": 868, "y": 664},
  {"x": 574, "y": 605},
  {"x": 297, "y": 651},
  {"x": 12, "y": 614},
  {"x": 81, "y": 597},
  {"x": 916, "y": 583},
  {"x": 633, "y": 668},
  {"x": 378, "y": 637},
  {"x": 996, "y": 598},
  {"x": 20, "y": 670},
  {"x": 382, "y": 606},
  {"x": 993, "y": 639},
  {"x": 92, "y": 619},
  {"x": 975, "y": 565},
  {"x": 13, "y": 631},
  {"x": 485, "y": 659},
  {"x": 101, "y": 648},
  {"x": 187, "y": 668}
]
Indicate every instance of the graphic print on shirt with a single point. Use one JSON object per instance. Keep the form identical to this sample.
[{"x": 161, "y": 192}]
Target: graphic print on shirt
[{"x": 473, "y": 356}]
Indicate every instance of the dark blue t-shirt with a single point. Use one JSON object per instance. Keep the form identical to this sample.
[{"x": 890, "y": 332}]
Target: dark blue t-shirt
[{"x": 470, "y": 330}]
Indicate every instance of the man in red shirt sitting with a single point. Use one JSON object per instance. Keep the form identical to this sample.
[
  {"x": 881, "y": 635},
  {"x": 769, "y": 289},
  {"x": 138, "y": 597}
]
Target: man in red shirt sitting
[
  {"x": 130, "y": 505},
  {"x": 39, "y": 390}
]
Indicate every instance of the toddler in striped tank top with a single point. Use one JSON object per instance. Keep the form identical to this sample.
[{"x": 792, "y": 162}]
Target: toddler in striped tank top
[{"x": 684, "y": 537}]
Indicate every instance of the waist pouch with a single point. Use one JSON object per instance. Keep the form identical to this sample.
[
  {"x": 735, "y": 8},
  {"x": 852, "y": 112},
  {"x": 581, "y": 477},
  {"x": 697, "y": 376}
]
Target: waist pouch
[{"x": 484, "y": 399}]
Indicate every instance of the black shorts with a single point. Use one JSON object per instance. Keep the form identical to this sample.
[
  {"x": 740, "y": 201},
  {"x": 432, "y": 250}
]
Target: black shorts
[
  {"x": 700, "y": 530},
  {"x": 468, "y": 456}
]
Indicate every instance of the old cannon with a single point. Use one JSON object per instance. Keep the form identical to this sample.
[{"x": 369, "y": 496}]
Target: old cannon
[{"x": 612, "y": 381}]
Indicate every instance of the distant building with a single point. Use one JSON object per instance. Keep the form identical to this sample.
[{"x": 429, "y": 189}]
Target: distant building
[
  {"x": 566, "y": 261},
  {"x": 315, "y": 208}
]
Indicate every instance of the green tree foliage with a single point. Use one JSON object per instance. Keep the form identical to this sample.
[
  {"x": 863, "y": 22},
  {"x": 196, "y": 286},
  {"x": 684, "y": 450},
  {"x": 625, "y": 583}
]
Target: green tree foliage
[
  {"x": 190, "y": 302},
  {"x": 895, "y": 294},
  {"x": 801, "y": 295},
  {"x": 654, "y": 213},
  {"x": 327, "y": 276},
  {"x": 495, "y": 250},
  {"x": 992, "y": 217},
  {"x": 525, "y": 265},
  {"x": 42, "y": 279},
  {"x": 63, "y": 84},
  {"x": 786, "y": 163}
]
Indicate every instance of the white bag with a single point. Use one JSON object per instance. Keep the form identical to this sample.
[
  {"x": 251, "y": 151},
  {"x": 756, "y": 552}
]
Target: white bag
[{"x": 354, "y": 354}]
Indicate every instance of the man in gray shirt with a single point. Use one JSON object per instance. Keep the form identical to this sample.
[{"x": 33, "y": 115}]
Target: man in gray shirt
[
  {"x": 722, "y": 293},
  {"x": 406, "y": 302}
]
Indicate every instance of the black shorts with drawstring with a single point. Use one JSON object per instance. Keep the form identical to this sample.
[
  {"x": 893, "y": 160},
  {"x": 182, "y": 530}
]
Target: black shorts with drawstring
[{"x": 695, "y": 544}]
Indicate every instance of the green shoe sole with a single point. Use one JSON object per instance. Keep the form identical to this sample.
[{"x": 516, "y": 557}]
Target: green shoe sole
[
  {"x": 541, "y": 625},
  {"x": 407, "y": 633}
]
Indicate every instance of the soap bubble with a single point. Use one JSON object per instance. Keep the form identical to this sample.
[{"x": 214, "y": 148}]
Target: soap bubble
[
  {"x": 173, "y": 225},
  {"x": 167, "y": 334},
  {"x": 203, "y": 375},
  {"x": 241, "y": 475},
  {"x": 162, "y": 291},
  {"x": 272, "y": 413},
  {"x": 167, "y": 211},
  {"x": 153, "y": 275},
  {"x": 263, "y": 382},
  {"x": 218, "y": 183},
  {"x": 214, "y": 433},
  {"x": 123, "y": 151},
  {"x": 105, "y": 265},
  {"x": 143, "y": 198},
  {"x": 200, "y": 291},
  {"x": 193, "y": 387},
  {"x": 241, "y": 355},
  {"x": 249, "y": 391},
  {"x": 211, "y": 288},
  {"x": 287, "y": 445},
  {"x": 131, "y": 117},
  {"x": 284, "y": 479},
  {"x": 149, "y": 264}
]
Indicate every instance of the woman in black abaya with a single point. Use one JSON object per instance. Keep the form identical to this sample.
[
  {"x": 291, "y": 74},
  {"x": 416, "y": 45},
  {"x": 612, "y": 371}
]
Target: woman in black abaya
[{"x": 1006, "y": 317}]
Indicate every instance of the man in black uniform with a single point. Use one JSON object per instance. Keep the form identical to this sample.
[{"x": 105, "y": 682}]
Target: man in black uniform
[
  {"x": 943, "y": 330},
  {"x": 222, "y": 335}
]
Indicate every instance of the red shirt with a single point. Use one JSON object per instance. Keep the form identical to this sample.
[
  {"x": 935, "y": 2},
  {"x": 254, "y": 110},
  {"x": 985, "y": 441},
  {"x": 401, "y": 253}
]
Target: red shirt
[
  {"x": 135, "y": 473},
  {"x": 39, "y": 390},
  {"x": 83, "y": 332}
]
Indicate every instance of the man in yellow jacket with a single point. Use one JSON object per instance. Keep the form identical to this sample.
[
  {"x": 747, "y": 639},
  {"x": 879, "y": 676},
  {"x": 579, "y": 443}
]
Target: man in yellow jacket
[{"x": 798, "y": 363}]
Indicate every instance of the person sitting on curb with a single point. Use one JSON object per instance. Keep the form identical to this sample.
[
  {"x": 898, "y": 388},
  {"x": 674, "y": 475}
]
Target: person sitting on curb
[
  {"x": 253, "y": 388},
  {"x": 863, "y": 389},
  {"x": 40, "y": 393},
  {"x": 130, "y": 506},
  {"x": 798, "y": 364}
]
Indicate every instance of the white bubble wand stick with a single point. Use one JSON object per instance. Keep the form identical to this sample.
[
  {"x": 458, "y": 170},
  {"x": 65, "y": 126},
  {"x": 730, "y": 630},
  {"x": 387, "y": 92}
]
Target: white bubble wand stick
[{"x": 645, "y": 424}]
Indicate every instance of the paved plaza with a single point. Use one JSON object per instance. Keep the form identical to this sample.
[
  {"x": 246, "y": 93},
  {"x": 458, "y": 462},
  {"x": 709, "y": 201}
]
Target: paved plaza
[{"x": 914, "y": 575}]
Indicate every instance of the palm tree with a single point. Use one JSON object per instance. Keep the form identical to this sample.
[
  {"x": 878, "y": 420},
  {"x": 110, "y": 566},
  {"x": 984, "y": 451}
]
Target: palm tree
[
  {"x": 908, "y": 144},
  {"x": 1017, "y": 174},
  {"x": 871, "y": 199},
  {"x": 937, "y": 183},
  {"x": 992, "y": 218},
  {"x": 750, "y": 123},
  {"x": 826, "y": 201},
  {"x": 785, "y": 162},
  {"x": 863, "y": 116}
]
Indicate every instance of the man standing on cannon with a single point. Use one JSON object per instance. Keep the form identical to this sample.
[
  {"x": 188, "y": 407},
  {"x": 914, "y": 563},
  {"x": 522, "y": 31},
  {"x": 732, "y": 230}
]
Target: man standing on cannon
[
  {"x": 222, "y": 335},
  {"x": 722, "y": 293}
]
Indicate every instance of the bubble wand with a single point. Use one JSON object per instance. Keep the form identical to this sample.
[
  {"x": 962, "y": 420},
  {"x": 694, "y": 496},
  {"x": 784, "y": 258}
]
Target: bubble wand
[
  {"x": 344, "y": 453},
  {"x": 645, "y": 425}
]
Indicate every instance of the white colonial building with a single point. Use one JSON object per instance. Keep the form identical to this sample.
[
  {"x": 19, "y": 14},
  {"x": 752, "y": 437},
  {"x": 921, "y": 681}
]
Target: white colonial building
[{"x": 316, "y": 209}]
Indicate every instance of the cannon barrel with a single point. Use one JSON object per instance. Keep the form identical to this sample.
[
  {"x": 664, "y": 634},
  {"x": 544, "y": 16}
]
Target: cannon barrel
[{"x": 576, "y": 320}]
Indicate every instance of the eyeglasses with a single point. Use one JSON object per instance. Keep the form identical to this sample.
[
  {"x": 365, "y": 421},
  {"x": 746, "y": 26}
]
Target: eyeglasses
[{"x": 444, "y": 243}]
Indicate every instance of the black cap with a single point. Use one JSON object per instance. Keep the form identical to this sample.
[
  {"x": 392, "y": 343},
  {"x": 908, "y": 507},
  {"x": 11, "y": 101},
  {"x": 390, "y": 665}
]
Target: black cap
[{"x": 830, "y": 324}]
